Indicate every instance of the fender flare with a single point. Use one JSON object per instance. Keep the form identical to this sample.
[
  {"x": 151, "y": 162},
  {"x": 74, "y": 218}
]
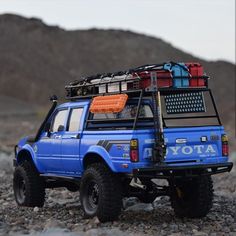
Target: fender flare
[
  {"x": 27, "y": 148},
  {"x": 98, "y": 150}
]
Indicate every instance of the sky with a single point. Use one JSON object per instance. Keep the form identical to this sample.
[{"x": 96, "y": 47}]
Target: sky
[{"x": 205, "y": 28}]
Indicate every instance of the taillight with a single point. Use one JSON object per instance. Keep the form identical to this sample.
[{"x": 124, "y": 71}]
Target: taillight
[
  {"x": 225, "y": 145},
  {"x": 134, "y": 155}
]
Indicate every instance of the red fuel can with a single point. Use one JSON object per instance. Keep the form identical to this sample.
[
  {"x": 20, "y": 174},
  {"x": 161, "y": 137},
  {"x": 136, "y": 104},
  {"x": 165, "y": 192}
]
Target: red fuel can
[{"x": 196, "y": 70}]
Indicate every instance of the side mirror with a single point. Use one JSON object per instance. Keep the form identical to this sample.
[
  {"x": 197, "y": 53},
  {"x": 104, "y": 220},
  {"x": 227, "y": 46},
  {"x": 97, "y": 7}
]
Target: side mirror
[
  {"x": 60, "y": 128},
  {"x": 47, "y": 129}
]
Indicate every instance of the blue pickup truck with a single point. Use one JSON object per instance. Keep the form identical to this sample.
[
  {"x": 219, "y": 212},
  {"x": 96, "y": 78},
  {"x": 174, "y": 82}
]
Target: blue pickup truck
[{"x": 119, "y": 135}]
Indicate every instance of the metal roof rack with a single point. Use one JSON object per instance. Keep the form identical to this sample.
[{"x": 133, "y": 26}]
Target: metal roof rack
[{"x": 127, "y": 81}]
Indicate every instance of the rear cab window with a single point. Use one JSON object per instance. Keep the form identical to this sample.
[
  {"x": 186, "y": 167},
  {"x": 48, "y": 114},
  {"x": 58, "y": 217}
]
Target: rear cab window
[{"x": 123, "y": 119}]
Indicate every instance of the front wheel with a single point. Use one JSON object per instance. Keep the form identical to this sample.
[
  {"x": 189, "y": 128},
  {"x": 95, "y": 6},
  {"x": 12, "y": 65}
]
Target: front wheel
[
  {"x": 100, "y": 193},
  {"x": 29, "y": 189},
  {"x": 192, "y": 198}
]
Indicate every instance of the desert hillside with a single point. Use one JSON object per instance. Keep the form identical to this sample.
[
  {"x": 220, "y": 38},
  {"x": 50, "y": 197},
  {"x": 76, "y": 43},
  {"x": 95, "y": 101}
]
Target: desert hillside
[{"x": 37, "y": 60}]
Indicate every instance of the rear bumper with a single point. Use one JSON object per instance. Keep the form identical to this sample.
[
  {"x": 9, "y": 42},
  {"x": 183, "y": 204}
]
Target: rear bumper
[{"x": 164, "y": 171}]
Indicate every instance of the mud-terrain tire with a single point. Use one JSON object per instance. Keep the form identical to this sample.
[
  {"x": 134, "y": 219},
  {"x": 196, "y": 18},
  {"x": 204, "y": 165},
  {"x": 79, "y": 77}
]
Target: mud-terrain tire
[
  {"x": 100, "y": 193},
  {"x": 29, "y": 188},
  {"x": 192, "y": 198}
]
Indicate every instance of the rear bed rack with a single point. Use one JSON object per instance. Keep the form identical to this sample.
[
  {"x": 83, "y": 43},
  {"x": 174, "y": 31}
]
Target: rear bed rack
[{"x": 147, "y": 80}]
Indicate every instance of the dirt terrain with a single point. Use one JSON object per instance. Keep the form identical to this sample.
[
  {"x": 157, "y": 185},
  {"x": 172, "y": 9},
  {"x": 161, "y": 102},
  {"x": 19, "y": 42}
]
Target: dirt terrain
[{"x": 62, "y": 213}]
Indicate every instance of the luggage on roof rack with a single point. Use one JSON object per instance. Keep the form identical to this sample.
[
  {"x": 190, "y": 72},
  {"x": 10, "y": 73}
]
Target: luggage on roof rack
[
  {"x": 164, "y": 79},
  {"x": 196, "y": 71},
  {"x": 180, "y": 74},
  {"x": 167, "y": 76}
]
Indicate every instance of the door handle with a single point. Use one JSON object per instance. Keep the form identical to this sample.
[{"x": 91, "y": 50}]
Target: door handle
[
  {"x": 57, "y": 136},
  {"x": 75, "y": 136}
]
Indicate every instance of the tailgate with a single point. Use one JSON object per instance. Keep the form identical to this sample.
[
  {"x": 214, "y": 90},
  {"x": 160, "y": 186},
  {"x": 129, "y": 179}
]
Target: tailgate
[{"x": 195, "y": 144}]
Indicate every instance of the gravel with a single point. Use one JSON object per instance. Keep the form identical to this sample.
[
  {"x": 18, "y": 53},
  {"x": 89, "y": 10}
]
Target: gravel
[{"x": 62, "y": 214}]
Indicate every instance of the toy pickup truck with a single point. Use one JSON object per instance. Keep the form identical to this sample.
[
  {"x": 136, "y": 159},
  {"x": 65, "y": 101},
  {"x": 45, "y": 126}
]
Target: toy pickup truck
[{"x": 120, "y": 135}]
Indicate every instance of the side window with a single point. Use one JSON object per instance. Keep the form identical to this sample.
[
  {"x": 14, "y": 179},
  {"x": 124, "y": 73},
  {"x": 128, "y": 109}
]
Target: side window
[
  {"x": 58, "y": 120},
  {"x": 75, "y": 117}
]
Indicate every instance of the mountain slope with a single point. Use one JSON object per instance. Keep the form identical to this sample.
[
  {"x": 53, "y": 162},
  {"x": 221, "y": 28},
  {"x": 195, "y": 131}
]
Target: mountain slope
[{"x": 37, "y": 60}]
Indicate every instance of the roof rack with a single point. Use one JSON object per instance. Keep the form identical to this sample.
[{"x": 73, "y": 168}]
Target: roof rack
[{"x": 131, "y": 81}]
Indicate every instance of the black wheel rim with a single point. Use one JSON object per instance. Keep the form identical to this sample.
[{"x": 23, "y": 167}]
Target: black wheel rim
[
  {"x": 20, "y": 190},
  {"x": 91, "y": 197}
]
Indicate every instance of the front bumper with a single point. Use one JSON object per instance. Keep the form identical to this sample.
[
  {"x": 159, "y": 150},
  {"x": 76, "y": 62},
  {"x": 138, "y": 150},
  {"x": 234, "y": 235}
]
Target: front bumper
[{"x": 164, "y": 171}]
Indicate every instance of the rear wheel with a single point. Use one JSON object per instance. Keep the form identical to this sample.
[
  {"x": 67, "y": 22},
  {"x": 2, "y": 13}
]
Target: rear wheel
[
  {"x": 29, "y": 189},
  {"x": 100, "y": 193},
  {"x": 192, "y": 198}
]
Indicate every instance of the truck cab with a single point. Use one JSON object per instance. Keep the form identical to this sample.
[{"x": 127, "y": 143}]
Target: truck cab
[{"x": 115, "y": 136}]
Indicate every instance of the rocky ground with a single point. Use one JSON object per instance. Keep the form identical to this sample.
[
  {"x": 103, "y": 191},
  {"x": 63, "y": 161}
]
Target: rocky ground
[{"x": 62, "y": 214}]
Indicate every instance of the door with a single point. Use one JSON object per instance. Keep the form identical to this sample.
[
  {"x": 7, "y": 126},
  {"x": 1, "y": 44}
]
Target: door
[
  {"x": 49, "y": 145},
  {"x": 43, "y": 151},
  {"x": 70, "y": 152}
]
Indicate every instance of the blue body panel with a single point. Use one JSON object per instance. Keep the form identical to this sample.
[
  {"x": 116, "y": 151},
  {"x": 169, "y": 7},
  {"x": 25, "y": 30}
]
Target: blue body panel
[{"x": 63, "y": 154}]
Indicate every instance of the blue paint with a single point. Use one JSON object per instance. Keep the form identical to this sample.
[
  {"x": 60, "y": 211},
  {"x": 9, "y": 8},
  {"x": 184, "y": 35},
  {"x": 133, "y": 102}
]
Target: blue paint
[{"x": 63, "y": 154}]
